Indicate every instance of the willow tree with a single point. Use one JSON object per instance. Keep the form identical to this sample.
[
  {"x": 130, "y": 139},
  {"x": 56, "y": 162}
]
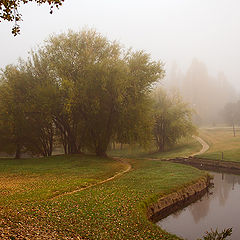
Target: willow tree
[
  {"x": 25, "y": 122},
  {"x": 12, "y": 107},
  {"x": 105, "y": 88},
  {"x": 173, "y": 119}
]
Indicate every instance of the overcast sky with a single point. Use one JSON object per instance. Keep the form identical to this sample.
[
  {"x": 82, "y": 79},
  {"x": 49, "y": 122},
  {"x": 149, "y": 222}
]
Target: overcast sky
[{"x": 170, "y": 30}]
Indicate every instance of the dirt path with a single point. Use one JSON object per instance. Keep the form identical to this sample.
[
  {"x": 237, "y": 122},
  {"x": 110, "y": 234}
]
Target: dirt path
[
  {"x": 205, "y": 146},
  {"x": 127, "y": 169}
]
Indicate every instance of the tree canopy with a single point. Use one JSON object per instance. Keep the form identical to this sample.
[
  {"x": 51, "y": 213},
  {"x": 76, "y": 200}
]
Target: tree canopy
[
  {"x": 173, "y": 119},
  {"x": 9, "y": 10},
  {"x": 82, "y": 90}
]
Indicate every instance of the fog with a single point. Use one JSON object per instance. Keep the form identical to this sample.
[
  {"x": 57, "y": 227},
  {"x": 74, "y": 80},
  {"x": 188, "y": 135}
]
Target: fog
[
  {"x": 174, "y": 31},
  {"x": 207, "y": 94}
]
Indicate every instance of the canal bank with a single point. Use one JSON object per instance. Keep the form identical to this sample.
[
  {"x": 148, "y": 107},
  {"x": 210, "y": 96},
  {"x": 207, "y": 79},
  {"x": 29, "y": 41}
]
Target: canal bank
[
  {"x": 218, "y": 209},
  {"x": 209, "y": 164},
  {"x": 177, "y": 200}
]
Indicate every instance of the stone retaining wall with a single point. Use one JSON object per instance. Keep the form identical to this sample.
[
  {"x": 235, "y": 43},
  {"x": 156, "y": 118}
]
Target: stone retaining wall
[{"x": 172, "y": 202}]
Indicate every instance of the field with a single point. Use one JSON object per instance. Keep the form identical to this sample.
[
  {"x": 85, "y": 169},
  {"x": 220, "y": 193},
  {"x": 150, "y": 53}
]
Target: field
[
  {"x": 221, "y": 140},
  {"x": 32, "y": 207}
]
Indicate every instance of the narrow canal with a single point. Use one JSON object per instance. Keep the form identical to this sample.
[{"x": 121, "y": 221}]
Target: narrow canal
[{"x": 220, "y": 208}]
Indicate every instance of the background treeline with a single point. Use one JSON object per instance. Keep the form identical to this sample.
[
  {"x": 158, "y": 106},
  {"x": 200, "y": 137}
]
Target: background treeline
[
  {"x": 84, "y": 91},
  {"x": 206, "y": 94}
]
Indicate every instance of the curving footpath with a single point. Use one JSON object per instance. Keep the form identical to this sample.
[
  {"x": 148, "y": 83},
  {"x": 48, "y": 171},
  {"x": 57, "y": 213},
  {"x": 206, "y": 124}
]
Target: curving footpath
[
  {"x": 128, "y": 168},
  {"x": 205, "y": 146}
]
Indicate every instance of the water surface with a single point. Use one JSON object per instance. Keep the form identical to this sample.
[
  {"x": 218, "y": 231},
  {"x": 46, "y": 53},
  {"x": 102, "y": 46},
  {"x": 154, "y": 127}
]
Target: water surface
[{"x": 218, "y": 209}]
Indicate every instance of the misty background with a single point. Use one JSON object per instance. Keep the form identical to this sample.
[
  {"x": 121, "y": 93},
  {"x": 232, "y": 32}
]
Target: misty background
[{"x": 198, "y": 41}]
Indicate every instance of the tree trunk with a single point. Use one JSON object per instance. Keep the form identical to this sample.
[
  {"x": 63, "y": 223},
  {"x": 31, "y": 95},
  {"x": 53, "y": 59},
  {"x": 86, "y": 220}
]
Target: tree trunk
[
  {"x": 160, "y": 147},
  {"x": 234, "y": 132},
  {"x": 101, "y": 153},
  {"x": 18, "y": 152},
  {"x": 101, "y": 149}
]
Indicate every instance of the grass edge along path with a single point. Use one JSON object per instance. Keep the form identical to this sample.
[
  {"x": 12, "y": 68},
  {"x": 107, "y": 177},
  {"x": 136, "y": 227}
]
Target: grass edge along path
[
  {"x": 119, "y": 174},
  {"x": 39, "y": 179}
]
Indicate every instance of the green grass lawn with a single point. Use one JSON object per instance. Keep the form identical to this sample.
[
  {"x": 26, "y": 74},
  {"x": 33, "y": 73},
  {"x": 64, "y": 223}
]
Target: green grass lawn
[
  {"x": 113, "y": 210},
  {"x": 184, "y": 148},
  {"x": 37, "y": 179},
  {"x": 221, "y": 140}
]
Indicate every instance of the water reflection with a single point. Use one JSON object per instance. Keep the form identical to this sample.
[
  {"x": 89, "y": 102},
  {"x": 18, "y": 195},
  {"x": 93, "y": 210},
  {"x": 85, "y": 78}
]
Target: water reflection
[
  {"x": 194, "y": 210},
  {"x": 217, "y": 209}
]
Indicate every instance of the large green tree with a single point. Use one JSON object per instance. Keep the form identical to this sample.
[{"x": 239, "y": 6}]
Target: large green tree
[
  {"x": 25, "y": 121},
  {"x": 105, "y": 88},
  {"x": 13, "y": 108},
  {"x": 173, "y": 119}
]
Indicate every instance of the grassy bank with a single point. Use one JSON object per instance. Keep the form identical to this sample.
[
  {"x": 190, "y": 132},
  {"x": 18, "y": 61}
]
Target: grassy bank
[
  {"x": 113, "y": 210},
  {"x": 24, "y": 180},
  {"x": 221, "y": 140}
]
